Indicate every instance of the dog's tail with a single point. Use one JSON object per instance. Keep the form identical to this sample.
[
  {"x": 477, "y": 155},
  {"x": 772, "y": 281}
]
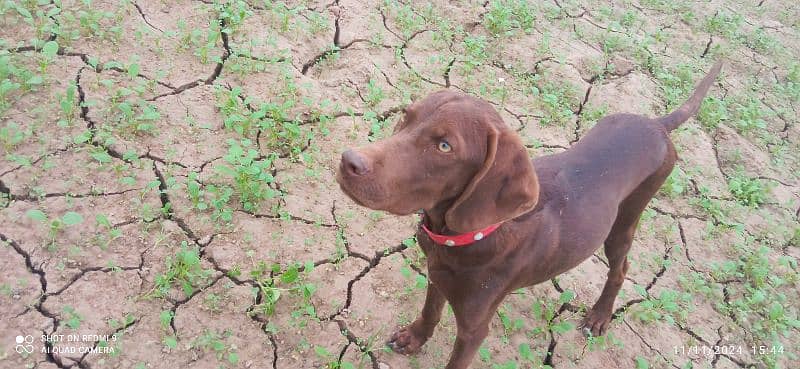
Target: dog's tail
[{"x": 690, "y": 107}]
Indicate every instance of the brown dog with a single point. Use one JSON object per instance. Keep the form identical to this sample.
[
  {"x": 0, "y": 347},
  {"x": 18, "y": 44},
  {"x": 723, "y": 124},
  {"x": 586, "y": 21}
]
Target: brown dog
[{"x": 454, "y": 157}]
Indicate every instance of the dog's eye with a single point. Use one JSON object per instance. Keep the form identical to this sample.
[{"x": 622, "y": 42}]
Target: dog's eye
[{"x": 444, "y": 146}]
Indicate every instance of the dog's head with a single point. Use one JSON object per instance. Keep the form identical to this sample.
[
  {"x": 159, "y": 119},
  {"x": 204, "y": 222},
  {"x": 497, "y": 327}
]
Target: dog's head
[{"x": 450, "y": 150}]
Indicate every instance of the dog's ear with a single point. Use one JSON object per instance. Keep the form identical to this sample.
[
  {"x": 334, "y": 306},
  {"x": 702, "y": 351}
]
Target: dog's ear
[{"x": 505, "y": 186}]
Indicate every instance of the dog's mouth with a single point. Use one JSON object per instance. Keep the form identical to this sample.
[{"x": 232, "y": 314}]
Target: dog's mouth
[
  {"x": 357, "y": 196},
  {"x": 350, "y": 194},
  {"x": 369, "y": 198}
]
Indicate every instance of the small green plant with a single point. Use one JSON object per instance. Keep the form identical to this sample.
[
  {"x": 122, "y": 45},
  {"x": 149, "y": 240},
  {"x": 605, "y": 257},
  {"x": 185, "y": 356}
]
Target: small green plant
[
  {"x": 272, "y": 282},
  {"x": 547, "y": 309},
  {"x": 195, "y": 191},
  {"x": 55, "y": 225},
  {"x": 165, "y": 318},
  {"x": 499, "y": 20},
  {"x": 49, "y": 51},
  {"x": 419, "y": 281},
  {"x": 234, "y": 109},
  {"x": 280, "y": 133},
  {"x": 757, "y": 302},
  {"x": 676, "y": 84},
  {"x": 475, "y": 53},
  {"x": 407, "y": 19},
  {"x": 127, "y": 111},
  {"x": 377, "y": 126},
  {"x": 724, "y": 23},
  {"x": 219, "y": 197},
  {"x": 505, "y": 16},
  {"x": 251, "y": 173},
  {"x": 555, "y": 101},
  {"x": 712, "y": 112},
  {"x": 232, "y": 14},
  {"x": 71, "y": 317},
  {"x": 374, "y": 93},
  {"x": 709, "y": 204},
  {"x": 747, "y": 191},
  {"x": 749, "y": 116},
  {"x": 669, "y": 306},
  {"x": 11, "y": 135},
  {"x": 67, "y": 104},
  {"x": 213, "y": 341},
  {"x": 183, "y": 270},
  {"x": 332, "y": 361},
  {"x": 509, "y": 325},
  {"x": 111, "y": 233},
  {"x": 676, "y": 184},
  {"x": 89, "y": 21},
  {"x": 790, "y": 88}
]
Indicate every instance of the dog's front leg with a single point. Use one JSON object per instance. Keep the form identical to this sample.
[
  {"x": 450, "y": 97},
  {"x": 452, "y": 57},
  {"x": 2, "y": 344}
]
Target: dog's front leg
[
  {"x": 473, "y": 326},
  {"x": 410, "y": 338}
]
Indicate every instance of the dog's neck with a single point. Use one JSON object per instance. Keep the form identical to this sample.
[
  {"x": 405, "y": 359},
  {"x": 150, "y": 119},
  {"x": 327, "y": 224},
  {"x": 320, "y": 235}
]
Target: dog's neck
[{"x": 434, "y": 219}]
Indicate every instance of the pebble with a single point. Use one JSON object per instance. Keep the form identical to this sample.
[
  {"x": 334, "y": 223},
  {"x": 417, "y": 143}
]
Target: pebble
[
  {"x": 205, "y": 240},
  {"x": 383, "y": 366}
]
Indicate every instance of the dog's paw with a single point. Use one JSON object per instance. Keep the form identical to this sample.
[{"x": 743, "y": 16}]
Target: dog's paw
[
  {"x": 405, "y": 341},
  {"x": 595, "y": 323}
]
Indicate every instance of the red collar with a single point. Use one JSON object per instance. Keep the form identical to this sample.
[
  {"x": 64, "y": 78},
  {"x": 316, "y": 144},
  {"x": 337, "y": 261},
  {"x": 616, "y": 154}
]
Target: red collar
[{"x": 463, "y": 239}]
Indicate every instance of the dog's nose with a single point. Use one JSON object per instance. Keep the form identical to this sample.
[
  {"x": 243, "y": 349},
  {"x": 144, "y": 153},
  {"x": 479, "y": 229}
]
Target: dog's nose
[{"x": 354, "y": 163}]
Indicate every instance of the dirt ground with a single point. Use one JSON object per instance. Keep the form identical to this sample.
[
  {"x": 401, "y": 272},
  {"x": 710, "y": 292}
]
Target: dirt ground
[{"x": 167, "y": 193}]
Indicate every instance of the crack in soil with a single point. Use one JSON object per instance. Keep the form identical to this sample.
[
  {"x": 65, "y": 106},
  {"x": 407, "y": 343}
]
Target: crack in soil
[
  {"x": 577, "y": 114},
  {"x": 37, "y": 160},
  {"x": 566, "y": 13},
  {"x": 337, "y": 47},
  {"x": 291, "y": 217},
  {"x": 178, "y": 303},
  {"x": 620, "y": 310},
  {"x": 271, "y": 338},
  {"x": 144, "y": 17},
  {"x": 402, "y": 54},
  {"x": 359, "y": 343},
  {"x": 708, "y": 46},
  {"x": 82, "y": 364},
  {"x": 226, "y": 53},
  {"x": 697, "y": 337},
  {"x": 39, "y": 305},
  {"x": 446, "y": 74},
  {"x": 649, "y": 346},
  {"x": 29, "y": 198},
  {"x": 373, "y": 262}
]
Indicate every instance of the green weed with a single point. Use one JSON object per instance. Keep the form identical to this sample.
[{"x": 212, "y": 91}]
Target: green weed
[
  {"x": 71, "y": 318},
  {"x": 213, "y": 341},
  {"x": 749, "y": 116},
  {"x": 669, "y": 306},
  {"x": 54, "y": 225},
  {"x": 331, "y": 360},
  {"x": 107, "y": 233},
  {"x": 275, "y": 281},
  {"x": 11, "y": 135},
  {"x": 251, "y": 174},
  {"x": 712, "y": 112},
  {"x": 676, "y": 184},
  {"x": 747, "y": 191},
  {"x": 183, "y": 270}
]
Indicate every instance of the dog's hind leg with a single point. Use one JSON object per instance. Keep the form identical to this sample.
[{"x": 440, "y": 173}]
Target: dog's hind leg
[{"x": 618, "y": 243}]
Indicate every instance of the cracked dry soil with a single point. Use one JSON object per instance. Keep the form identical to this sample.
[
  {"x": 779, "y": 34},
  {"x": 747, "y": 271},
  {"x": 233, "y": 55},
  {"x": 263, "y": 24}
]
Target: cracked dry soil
[{"x": 167, "y": 195}]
